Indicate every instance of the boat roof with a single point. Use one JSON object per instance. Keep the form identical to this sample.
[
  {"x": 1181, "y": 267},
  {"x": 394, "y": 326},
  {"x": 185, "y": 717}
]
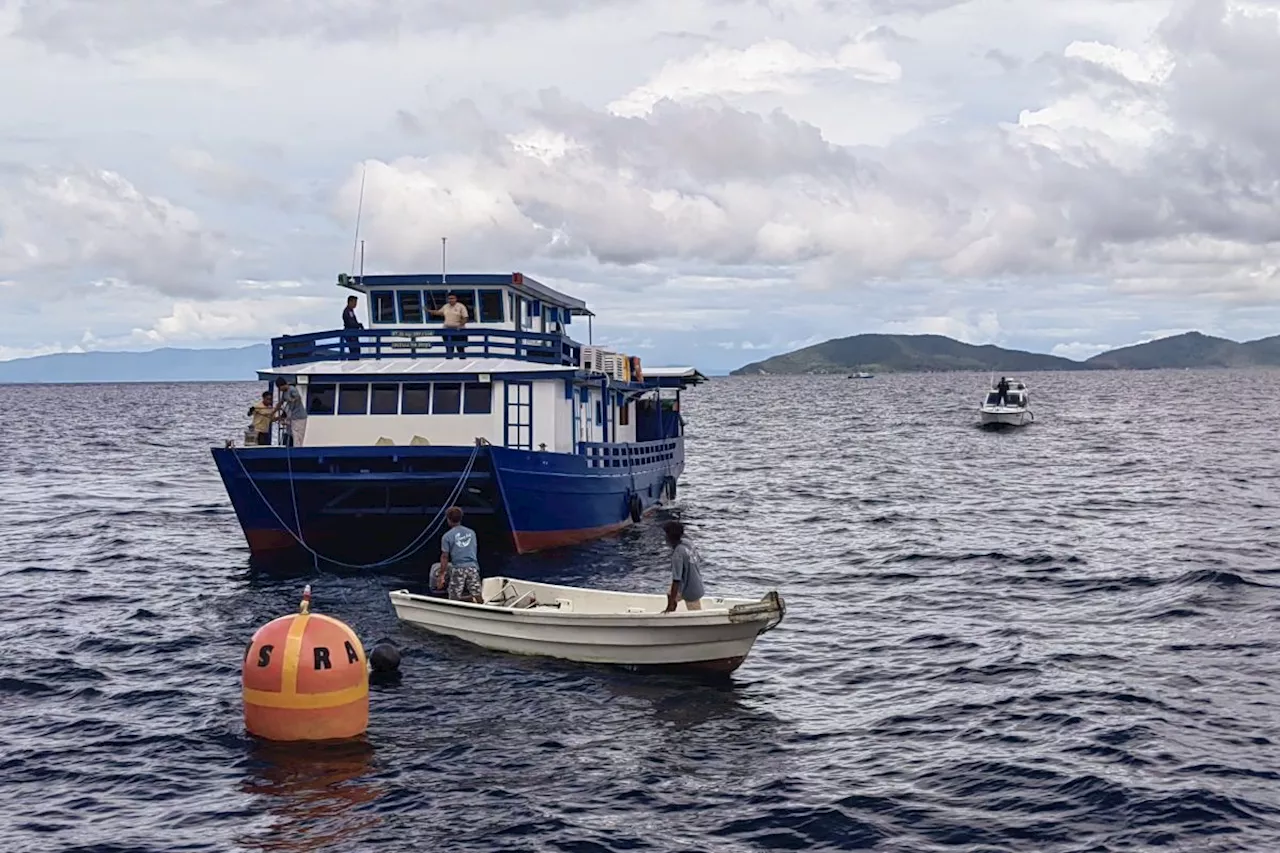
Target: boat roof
[
  {"x": 690, "y": 375},
  {"x": 517, "y": 280}
]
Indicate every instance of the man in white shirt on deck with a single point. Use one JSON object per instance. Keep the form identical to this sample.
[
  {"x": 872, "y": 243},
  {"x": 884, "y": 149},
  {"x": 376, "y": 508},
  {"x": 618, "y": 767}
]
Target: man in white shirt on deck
[{"x": 455, "y": 320}]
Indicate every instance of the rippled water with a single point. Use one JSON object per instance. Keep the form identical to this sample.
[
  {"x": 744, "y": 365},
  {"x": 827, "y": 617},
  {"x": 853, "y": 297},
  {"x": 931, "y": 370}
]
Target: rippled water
[{"x": 1062, "y": 638}]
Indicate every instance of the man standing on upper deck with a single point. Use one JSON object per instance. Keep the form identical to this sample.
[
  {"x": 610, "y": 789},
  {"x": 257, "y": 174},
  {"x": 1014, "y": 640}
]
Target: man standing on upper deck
[
  {"x": 455, "y": 320},
  {"x": 295, "y": 411},
  {"x": 350, "y": 322}
]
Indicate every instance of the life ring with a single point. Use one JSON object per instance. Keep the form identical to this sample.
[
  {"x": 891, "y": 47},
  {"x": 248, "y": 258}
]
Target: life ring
[
  {"x": 635, "y": 508},
  {"x": 669, "y": 487}
]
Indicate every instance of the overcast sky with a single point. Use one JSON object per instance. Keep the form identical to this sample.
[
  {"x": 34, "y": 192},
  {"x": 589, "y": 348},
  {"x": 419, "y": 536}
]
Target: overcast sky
[{"x": 721, "y": 180}]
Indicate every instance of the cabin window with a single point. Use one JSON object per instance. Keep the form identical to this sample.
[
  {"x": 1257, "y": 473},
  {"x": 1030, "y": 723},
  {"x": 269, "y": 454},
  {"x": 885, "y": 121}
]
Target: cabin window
[
  {"x": 446, "y": 398},
  {"x": 385, "y": 399},
  {"x": 624, "y": 413},
  {"x": 436, "y": 299},
  {"x": 491, "y": 303},
  {"x": 417, "y": 398},
  {"x": 477, "y": 398},
  {"x": 584, "y": 394},
  {"x": 566, "y": 316},
  {"x": 320, "y": 399},
  {"x": 993, "y": 399},
  {"x": 410, "y": 306},
  {"x": 353, "y": 399},
  {"x": 599, "y": 413},
  {"x": 384, "y": 306},
  {"x": 468, "y": 298},
  {"x": 550, "y": 319}
]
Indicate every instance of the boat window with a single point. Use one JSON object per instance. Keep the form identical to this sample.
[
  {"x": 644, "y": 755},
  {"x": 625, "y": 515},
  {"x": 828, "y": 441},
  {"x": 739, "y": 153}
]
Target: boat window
[
  {"x": 468, "y": 298},
  {"x": 384, "y": 306},
  {"x": 477, "y": 398},
  {"x": 993, "y": 399},
  {"x": 1014, "y": 399},
  {"x": 417, "y": 398},
  {"x": 624, "y": 416},
  {"x": 491, "y": 304},
  {"x": 385, "y": 399},
  {"x": 446, "y": 398},
  {"x": 410, "y": 306},
  {"x": 320, "y": 399},
  {"x": 353, "y": 399},
  {"x": 551, "y": 319},
  {"x": 435, "y": 300}
]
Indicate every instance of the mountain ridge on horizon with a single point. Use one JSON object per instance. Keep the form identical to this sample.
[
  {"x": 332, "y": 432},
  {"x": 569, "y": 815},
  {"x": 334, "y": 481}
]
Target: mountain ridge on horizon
[
  {"x": 873, "y": 352},
  {"x": 881, "y": 353}
]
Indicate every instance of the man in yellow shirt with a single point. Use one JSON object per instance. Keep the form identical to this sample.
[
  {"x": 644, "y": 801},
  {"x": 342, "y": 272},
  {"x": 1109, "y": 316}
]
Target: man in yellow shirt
[
  {"x": 262, "y": 413},
  {"x": 455, "y": 320}
]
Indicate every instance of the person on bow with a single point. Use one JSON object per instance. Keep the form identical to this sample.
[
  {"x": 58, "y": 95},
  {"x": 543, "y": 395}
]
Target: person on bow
[
  {"x": 294, "y": 410},
  {"x": 1002, "y": 388}
]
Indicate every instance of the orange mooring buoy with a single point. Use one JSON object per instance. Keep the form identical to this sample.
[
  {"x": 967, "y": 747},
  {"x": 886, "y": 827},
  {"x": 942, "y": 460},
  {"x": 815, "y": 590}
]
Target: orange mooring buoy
[{"x": 305, "y": 678}]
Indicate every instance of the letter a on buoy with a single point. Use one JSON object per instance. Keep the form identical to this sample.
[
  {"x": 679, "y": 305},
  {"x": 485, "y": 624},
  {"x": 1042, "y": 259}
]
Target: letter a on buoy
[{"x": 305, "y": 677}]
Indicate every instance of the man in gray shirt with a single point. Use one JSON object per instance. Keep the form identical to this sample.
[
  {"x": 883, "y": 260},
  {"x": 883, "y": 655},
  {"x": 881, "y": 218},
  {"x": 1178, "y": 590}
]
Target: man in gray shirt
[
  {"x": 686, "y": 570},
  {"x": 458, "y": 562},
  {"x": 295, "y": 410}
]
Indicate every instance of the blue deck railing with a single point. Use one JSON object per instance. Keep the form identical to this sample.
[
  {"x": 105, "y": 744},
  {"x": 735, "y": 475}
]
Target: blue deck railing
[
  {"x": 340, "y": 345},
  {"x": 637, "y": 455}
]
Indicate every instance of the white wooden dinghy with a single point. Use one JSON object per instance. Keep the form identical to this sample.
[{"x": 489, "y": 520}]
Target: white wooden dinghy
[{"x": 598, "y": 626}]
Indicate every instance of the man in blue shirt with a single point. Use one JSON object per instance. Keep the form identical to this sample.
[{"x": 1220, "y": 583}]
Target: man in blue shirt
[
  {"x": 458, "y": 562},
  {"x": 349, "y": 325},
  {"x": 686, "y": 570}
]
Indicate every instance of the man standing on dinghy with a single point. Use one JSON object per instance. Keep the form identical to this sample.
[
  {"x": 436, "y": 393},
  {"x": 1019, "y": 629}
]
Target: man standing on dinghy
[
  {"x": 459, "y": 567},
  {"x": 686, "y": 570}
]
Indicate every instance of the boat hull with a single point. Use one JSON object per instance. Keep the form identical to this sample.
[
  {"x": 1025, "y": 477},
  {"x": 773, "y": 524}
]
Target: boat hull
[
  {"x": 716, "y": 639},
  {"x": 1003, "y": 417},
  {"x": 368, "y": 504}
]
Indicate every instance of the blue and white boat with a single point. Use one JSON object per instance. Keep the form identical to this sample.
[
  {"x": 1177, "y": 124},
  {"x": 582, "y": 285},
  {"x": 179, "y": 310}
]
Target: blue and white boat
[{"x": 543, "y": 442}]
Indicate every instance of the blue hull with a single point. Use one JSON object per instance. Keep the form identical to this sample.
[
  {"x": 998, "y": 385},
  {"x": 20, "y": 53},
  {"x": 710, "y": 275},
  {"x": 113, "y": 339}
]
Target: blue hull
[{"x": 373, "y": 504}]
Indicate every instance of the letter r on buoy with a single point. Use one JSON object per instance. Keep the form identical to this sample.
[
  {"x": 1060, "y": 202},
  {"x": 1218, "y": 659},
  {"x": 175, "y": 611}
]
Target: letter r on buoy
[{"x": 322, "y": 658}]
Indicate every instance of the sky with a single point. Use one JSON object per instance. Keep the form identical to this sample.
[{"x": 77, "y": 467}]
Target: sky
[{"x": 720, "y": 180}]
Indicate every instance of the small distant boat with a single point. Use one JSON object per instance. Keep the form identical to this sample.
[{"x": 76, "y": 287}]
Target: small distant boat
[
  {"x": 860, "y": 375},
  {"x": 1013, "y": 410},
  {"x": 598, "y": 626}
]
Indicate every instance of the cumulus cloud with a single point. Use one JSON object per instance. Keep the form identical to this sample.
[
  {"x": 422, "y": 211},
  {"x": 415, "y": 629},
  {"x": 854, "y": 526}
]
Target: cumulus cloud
[
  {"x": 90, "y": 225},
  {"x": 1056, "y": 175},
  {"x": 79, "y": 25}
]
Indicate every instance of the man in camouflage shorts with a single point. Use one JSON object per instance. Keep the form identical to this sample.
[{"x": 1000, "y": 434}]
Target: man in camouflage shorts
[{"x": 458, "y": 562}]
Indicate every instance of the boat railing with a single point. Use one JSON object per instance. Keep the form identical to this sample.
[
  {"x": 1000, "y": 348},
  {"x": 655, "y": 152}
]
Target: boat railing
[
  {"x": 629, "y": 455},
  {"x": 358, "y": 344}
]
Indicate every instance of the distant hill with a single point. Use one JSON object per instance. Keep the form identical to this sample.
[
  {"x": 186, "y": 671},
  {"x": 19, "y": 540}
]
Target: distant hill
[
  {"x": 1191, "y": 349},
  {"x": 161, "y": 365},
  {"x": 931, "y": 353},
  {"x": 904, "y": 354}
]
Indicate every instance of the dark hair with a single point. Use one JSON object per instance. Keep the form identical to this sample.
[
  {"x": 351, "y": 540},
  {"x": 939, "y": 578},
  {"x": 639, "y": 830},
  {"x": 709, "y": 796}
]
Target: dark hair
[
  {"x": 351, "y": 298},
  {"x": 281, "y": 382},
  {"x": 674, "y": 531},
  {"x": 266, "y": 393},
  {"x": 454, "y": 515}
]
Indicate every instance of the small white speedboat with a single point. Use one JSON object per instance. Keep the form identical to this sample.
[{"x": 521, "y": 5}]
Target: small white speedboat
[
  {"x": 598, "y": 626},
  {"x": 1013, "y": 410}
]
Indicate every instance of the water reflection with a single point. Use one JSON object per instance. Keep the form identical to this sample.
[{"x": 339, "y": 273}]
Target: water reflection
[{"x": 315, "y": 796}]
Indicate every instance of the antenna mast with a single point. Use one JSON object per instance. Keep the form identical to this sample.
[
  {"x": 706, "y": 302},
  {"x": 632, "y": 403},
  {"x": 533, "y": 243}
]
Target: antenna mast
[
  {"x": 444, "y": 275},
  {"x": 356, "y": 240}
]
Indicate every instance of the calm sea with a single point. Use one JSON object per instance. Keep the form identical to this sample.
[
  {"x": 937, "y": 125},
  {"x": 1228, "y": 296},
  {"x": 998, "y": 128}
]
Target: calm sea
[{"x": 1062, "y": 638}]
